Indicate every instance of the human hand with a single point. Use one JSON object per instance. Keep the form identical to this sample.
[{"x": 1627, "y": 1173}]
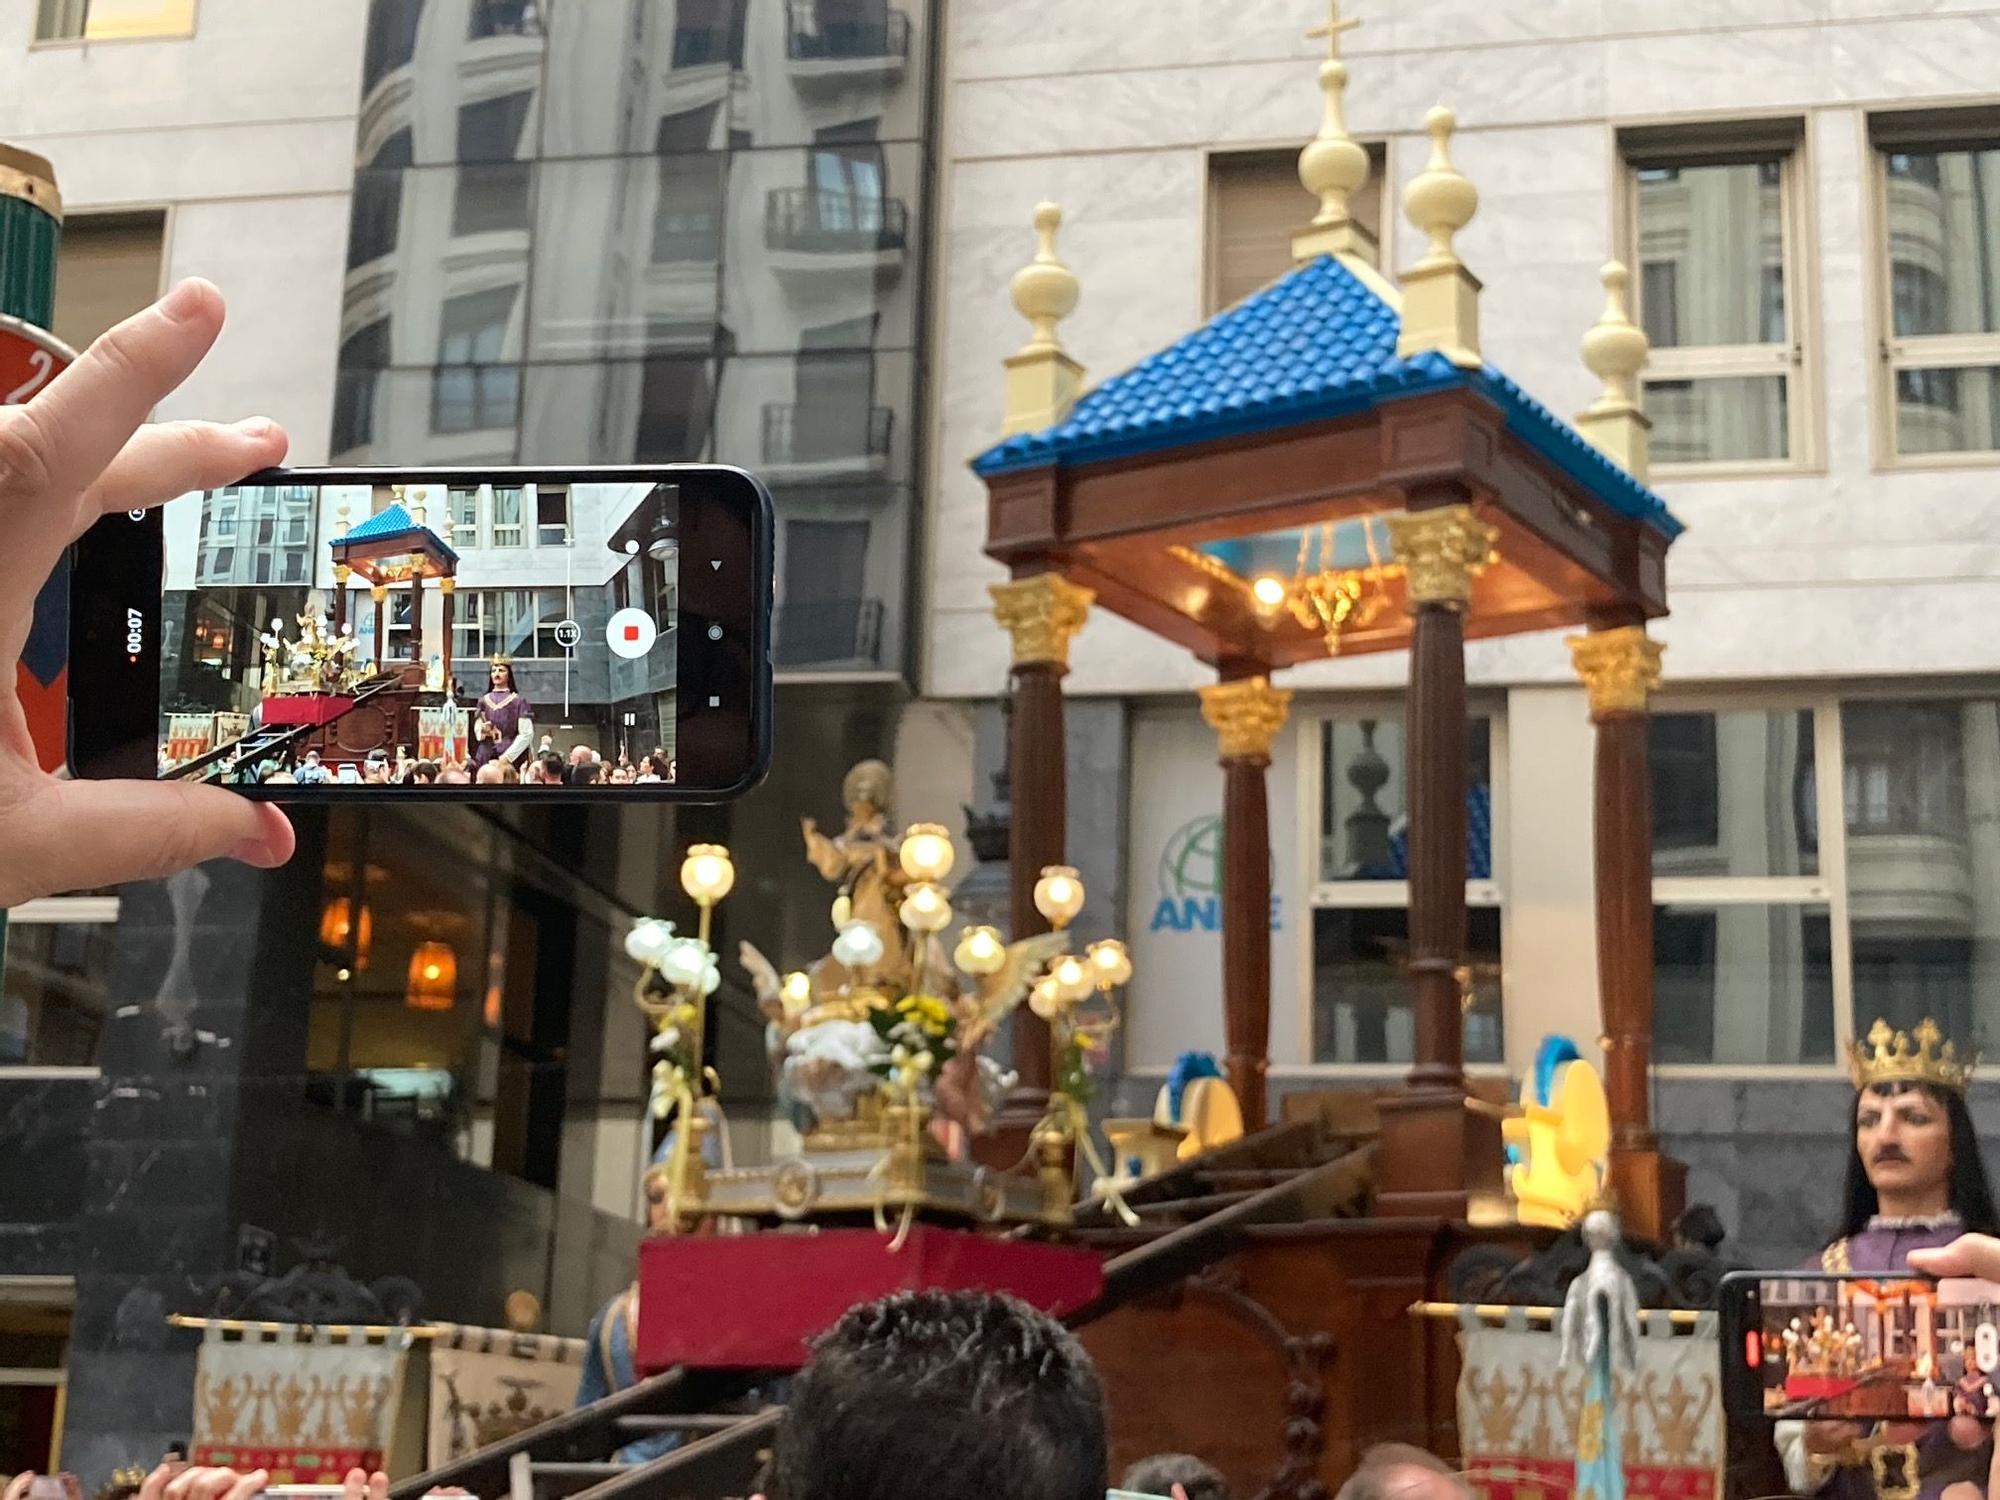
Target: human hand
[
  {"x": 77, "y": 451},
  {"x": 193, "y": 1482},
  {"x": 361, "y": 1485},
  {"x": 17, "y": 1487}
]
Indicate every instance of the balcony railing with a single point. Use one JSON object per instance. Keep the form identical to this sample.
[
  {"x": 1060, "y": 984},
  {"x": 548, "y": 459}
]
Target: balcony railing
[
  {"x": 797, "y": 434},
  {"x": 826, "y": 222},
  {"x": 823, "y": 632},
  {"x": 815, "y": 36},
  {"x": 507, "y": 18}
]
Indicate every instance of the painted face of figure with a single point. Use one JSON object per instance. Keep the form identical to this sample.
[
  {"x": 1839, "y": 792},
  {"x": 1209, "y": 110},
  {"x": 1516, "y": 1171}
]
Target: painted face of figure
[
  {"x": 502, "y": 677},
  {"x": 1904, "y": 1140}
]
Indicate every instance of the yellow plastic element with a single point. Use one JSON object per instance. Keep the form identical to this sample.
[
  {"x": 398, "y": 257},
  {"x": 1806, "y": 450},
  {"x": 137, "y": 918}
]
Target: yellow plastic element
[{"x": 1566, "y": 1144}]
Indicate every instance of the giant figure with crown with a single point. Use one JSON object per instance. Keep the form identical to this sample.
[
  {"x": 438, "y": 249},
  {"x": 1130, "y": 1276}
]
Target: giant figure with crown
[{"x": 1915, "y": 1181}]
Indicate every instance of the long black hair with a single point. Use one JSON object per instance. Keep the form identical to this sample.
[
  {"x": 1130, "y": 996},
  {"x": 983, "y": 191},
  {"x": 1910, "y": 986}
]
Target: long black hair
[{"x": 1971, "y": 1195}]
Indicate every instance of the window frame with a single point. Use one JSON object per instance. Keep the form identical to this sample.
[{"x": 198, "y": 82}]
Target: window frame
[
  {"x": 1887, "y": 133},
  {"x": 37, "y": 41},
  {"x": 1381, "y": 175},
  {"x": 1796, "y": 359},
  {"x": 60, "y": 911},
  {"x": 1310, "y": 722}
]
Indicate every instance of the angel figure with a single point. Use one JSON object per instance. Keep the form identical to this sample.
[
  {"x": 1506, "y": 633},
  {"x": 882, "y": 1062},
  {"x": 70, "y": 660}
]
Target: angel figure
[
  {"x": 1600, "y": 1331},
  {"x": 861, "y": 859}
]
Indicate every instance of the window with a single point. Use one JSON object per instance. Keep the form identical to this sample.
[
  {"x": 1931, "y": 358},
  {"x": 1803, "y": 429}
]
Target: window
[
  {"x": 57, "y": 973},
  {"x": 1360, "y": 920},
  {"x": 378, "y": 202},
  {"x": 392, "y": 39},
  {"x": 708, "y": 32},
  {"x": 493, "y": 188},
  {"x": 687, "y": 221},
  {"x": 465, "y": 519},
  {"x": 470, "y": 391},
  {"x": 1941, "y": 212},
  {"x": 506, "y": 517},
  {"x": 1715, "y": 223},
  {"x": 505, "y": 18},
  {"x": 523, "y": 621},
  {"x": 362, "y": 356},
  {"x": 112, "y": 20},
  {"x": 1760, "y": 957},
  {"x": 1255, "y": 206},
  {"x": 110, "y": 270},
  {"x": 552, "y": 516}
]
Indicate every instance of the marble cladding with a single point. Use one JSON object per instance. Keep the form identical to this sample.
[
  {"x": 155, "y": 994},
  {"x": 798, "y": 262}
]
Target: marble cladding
[{"x": 1829, "y": 570}]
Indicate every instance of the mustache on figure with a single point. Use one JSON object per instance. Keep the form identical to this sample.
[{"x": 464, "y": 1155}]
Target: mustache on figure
[{"x": 1891, "y": 1154}]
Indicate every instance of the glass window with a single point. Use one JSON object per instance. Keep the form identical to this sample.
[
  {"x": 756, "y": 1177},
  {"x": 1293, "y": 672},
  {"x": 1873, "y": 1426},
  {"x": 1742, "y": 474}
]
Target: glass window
[
  {"x": 492, "y": 198},
  {"x": 1713, "y": 237},
  {"x": 1362, "y": 1010},
  {"x": 827, "y": 617},
  {"x": 104, "y": 20},
  {"x": 1734, "y": 794},
  {"x": 687, "y": 223},
  {"x": 1746, "y": 983},
  {"x": 53, "y": 1005},
  {"x": 505, "y": 18},
  {"x": 470, "y": 392},
  {"x": 1905, "y": 771},
  {"x": 391, "y": 41},
  {"x": 1364, "y": 819},
  {"x": 507, "y": 517},
  {"x": 676, "y": 406},
  {"x": 551, "y": 516},
  {"x": 111, "y": 266},
  {"x": 464, "y": 517},
  {"x": 378, "y": 202},
  {"x": 362, "y": 355}
]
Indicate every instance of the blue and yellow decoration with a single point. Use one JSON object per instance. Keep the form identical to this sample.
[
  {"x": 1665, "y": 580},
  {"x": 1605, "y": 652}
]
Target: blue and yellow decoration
[{"x": 1559, "y": 1141}]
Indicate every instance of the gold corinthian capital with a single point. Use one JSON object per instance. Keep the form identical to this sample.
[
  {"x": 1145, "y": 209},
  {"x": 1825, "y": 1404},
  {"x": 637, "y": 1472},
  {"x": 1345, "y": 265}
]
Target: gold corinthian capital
[
  {"x": 1042, "y": 613},
  {"x": 1620, "y": 668},
  {"x": 1246, "y": 716},
  {"x": 1440, "y": 551}
]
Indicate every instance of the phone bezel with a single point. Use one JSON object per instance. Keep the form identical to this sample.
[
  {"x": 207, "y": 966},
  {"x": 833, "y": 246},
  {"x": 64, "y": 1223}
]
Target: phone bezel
[{"x": 734, "y": 741}]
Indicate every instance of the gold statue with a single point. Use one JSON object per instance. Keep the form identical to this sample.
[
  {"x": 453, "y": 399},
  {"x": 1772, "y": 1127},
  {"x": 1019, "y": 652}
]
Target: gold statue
[{"x": 861, "y": 861}]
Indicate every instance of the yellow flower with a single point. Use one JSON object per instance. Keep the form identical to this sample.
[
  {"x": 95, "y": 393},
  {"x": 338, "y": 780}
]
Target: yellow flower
[{"x": 930, "y": 1011}]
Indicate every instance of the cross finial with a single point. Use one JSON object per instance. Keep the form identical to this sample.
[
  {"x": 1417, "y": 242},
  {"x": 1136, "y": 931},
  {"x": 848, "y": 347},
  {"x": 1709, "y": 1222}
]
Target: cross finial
[{"x": 1333, "y": 28}]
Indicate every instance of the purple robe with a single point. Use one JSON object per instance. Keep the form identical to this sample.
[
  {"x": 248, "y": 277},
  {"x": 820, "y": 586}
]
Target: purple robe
[
  {"x": 1884, "y": 1248},
  {"x": 505, "y": 710}
]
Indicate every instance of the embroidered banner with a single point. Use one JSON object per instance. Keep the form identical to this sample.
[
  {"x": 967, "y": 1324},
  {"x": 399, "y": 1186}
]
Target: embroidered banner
[
  {"x": 189, "y": 735},
  {"x": 1518, "y": 1417},
  {"x": 487, "y": 1384},
  {"x": 442, "y": 734},
  {"x": 306, "y": 1409}
]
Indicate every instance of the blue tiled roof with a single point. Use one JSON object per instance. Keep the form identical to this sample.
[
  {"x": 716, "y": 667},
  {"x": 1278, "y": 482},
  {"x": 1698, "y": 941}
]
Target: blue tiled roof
[
  {"x": 395, "y": 521},
  {"x": 1316, "y": 343}
]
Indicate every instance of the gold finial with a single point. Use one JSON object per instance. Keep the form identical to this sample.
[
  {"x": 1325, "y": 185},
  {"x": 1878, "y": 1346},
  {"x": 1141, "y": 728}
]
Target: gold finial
[
  {"x": 1333, "y": 165},
  {"x": 1619, "y": 667},
  {"x": 1042, "y": 613},
  {"x": 1440, "y": 551},
  {"x": 1889, "y": 1058},
  {"x": 1615, "y": 349},
  {"x": 1042, "y": 380},
  {"x": 1440, "y": 296},
  {"x": 1246, "y": 716}
]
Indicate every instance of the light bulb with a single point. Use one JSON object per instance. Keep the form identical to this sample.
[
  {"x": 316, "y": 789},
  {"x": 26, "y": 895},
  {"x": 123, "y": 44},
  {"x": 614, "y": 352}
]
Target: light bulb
[
  {"x": 684, "y": 963},
  {"x": 1267, "y": 594},
  {"x": 797, "y": 992},
  {"x": 1043, "y": 999},
  {"x": 859, "y": 946},
  {"x": 980, "y": 951},
  {"x": 926, "y": 853},
  {"x": 925, "y": 909},
  {"x": 1110, "y": 964},
  {"x": 1059, "y": 895},
  {"x": 707, "y": 873},
  {"x": 1072, "y": 978},
  {"x": 648, "y": 940}
]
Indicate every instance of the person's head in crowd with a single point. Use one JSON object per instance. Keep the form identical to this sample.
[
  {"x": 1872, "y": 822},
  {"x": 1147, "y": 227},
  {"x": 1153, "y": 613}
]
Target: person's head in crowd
[
  {"x": 424, "y": 773},
  {"x": 454, "y": 776},
  {"x": 377, "y": 773},
  {"x": 1007, "y": 1404},
  {"x": 552, "y": 768},
  {"x": 281, "y": 778},
  {"x": 548, "y": 743},
  {"x": 621, "y": 776},
  {"x": 489, "y": 774},
  {"x": 1163, "y": 1472},
  {"x": 531, "y": 772},
  {"x": 580, "y": 755},
  {"x": 1397, "y": 1471},
  {"x": 312, "y": 757},
  {"x": 585, "y": 774}
]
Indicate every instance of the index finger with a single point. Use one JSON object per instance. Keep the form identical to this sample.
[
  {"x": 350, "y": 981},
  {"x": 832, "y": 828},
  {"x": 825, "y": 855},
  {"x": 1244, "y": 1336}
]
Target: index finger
[{"x": 76, "y": 425}]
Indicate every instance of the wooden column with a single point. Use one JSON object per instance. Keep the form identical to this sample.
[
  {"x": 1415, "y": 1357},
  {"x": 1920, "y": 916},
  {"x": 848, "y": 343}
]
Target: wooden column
[
  {"x": 1436, "y": 1154},
  {"x": 449, "y": 588},
  {"x": 341, "y": 573},
  {"x": 1620, "y": 667},
  {"x": 1246, "y": 714},
  {"x": 380, "y": 594},
  {"x": 417, "y": 622}
]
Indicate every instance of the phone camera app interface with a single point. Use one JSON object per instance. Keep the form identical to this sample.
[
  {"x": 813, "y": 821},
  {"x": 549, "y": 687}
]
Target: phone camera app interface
[
  {"x": 1887, "y": 1349},
  {"x": 415, "y": 635}
]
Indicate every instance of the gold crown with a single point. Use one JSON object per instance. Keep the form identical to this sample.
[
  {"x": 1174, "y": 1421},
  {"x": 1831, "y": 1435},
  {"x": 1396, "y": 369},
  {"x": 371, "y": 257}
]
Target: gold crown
[{"x": 1893, "y": 1060}]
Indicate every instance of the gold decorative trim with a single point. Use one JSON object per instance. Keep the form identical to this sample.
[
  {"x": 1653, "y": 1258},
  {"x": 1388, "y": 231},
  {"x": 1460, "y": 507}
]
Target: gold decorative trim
[
  {"x": 1441, "y": 550},
  {"x": 1620, "y": 668},
  {"x": 30, "y": 178},
  {"x": 1042, "y": 613},
  {"x": 1246, "y": 716}
]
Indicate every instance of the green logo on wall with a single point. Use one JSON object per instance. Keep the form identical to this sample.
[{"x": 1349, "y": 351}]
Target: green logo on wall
[{"x": 1191, "y": 880}]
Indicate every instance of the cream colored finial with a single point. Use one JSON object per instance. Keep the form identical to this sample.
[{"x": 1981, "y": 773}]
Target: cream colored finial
[
  {"x": 346, "y": 506},
  {"x": 1042, "y": 380},
  {"x": 1333, "y": 165},
  {"x": 1615, "y": 349},
  {"x": 1440, "y": 296}
]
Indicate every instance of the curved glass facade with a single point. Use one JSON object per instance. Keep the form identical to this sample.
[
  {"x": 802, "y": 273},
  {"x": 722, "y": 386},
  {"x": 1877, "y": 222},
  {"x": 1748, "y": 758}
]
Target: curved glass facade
[{"x": 655, "y": 230}]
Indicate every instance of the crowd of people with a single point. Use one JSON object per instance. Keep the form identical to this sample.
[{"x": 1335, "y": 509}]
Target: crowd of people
[{"x": 483, "y": 765}]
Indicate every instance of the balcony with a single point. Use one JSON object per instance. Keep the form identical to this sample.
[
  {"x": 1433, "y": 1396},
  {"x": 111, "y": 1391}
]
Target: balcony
[
  {"x": 812, "y": 232},
  {"x": 834, "y": 46},
  {"x": 506, "y": 18},
  {"x": 829, "y": 633},
  {"x": 824, "y": 440}
]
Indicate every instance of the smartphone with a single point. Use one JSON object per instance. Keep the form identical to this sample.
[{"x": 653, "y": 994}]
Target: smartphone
[
  {"x": 1809, "y": 1346},
  {"x": 471, "y": 634}
]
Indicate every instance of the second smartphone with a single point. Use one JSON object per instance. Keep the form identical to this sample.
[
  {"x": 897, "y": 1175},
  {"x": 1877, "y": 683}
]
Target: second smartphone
[{"x": 478, "y": 634}]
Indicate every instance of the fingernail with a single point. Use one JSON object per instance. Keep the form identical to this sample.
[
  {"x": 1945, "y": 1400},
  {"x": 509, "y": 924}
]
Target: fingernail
[
  {"x": 256, "y": 852},
  {"x": 257, "y": 427},
  {"x": 183, "y": 301}
]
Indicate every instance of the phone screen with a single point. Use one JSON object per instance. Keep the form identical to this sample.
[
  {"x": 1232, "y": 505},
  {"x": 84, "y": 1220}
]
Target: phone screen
[
  {"x": 341, "y": 632},
  {"x": 1863, "y": 1348}
]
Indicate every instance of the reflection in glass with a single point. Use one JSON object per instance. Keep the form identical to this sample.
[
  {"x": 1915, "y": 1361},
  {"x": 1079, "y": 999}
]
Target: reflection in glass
[
  {"x": 469, "y": 392},
  {"x": 1711, "y": 252},
  {"x": 1734, "y": 793},
  {"x": 845, "y": 30},
  {"x": 1719, "y": 419},
  {"x": 1952, "y": 409},
  {"x": 492, "y": 198},
  {"x": 1944, "y": 241},
  {"x": 1361, "y": 990},
  {"x": 1743, "y": 984},
  {"x": 1364, "y": 819},
  {"x": 53, "y": 1006},
  {"x": 391, "y": 41},
  {"x": 826, "y": 617}
]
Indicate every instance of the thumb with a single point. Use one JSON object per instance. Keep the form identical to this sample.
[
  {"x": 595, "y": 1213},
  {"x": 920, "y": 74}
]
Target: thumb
[
  {"x": 81, "y": 834},
  {"x": 1968, "y": 1255}
]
